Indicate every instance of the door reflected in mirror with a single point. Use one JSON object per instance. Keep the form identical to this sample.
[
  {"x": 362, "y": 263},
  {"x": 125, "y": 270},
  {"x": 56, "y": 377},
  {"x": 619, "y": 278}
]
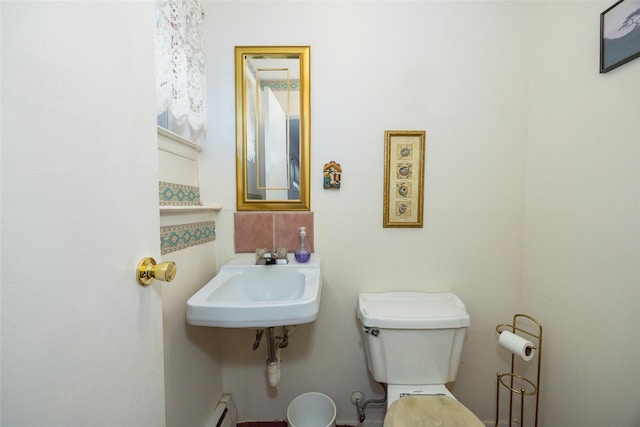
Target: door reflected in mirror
[{"x": 272, "y": 127}]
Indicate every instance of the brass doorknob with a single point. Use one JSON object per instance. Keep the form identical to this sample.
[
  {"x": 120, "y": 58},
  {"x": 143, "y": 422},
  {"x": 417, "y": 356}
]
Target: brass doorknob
[{"x": 148, "y": 270}]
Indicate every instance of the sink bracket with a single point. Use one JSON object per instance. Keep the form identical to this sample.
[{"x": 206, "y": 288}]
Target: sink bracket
[{"x": 256, "y": 343}]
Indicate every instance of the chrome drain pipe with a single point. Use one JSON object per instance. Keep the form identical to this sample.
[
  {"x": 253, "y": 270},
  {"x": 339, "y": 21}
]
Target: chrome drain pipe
[
  {"x": 271, "y": 348},
  {"x": 274, "y": 347}
]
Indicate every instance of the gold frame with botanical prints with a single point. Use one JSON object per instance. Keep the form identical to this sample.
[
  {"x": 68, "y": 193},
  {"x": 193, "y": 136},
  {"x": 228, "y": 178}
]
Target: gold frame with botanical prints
[{"x": 404, "y": 153}]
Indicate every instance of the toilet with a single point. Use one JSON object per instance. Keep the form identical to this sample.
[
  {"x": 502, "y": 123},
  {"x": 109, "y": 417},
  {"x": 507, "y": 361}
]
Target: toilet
[{"x": 413, "y": 342}]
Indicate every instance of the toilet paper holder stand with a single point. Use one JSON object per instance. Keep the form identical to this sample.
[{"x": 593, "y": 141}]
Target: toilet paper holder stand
[{"x": 516, "y": 384}]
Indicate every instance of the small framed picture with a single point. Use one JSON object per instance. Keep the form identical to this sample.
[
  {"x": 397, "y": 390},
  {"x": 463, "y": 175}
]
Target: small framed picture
[
  {"x": 619, "y": 34},
  {"x": 404, "y": 153}
]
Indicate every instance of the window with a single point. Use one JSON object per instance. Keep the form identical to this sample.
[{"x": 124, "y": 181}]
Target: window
[{"x": 181, "y": 81}]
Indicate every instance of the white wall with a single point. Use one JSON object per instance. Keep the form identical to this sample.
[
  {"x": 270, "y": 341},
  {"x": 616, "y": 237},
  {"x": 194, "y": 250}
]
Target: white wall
[
  {"x": 582, "y": 275},
  {"x": 458, "y": 70},
  {"x": 531, "y": 197},
  {"x": 193, "y": 378}
]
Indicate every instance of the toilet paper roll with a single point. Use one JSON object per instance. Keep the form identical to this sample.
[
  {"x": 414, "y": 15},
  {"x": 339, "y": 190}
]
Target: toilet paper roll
[{"x": 517, "y": 345}]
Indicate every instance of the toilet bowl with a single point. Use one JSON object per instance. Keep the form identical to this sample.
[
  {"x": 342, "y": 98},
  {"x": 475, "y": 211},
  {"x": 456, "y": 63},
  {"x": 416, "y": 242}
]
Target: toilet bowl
[{"x": 413, "y": 342}]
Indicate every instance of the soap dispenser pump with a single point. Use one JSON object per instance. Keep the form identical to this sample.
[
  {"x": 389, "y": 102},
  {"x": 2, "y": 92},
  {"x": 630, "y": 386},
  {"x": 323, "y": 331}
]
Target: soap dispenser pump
[{"x": 302, "y": 252}]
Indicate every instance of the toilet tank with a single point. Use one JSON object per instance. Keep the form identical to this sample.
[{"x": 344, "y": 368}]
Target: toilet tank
[{"x": 412, "y": 337}]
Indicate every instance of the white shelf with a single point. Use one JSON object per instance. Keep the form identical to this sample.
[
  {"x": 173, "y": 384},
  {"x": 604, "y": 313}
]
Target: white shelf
[{"x": 188, "y": 209}]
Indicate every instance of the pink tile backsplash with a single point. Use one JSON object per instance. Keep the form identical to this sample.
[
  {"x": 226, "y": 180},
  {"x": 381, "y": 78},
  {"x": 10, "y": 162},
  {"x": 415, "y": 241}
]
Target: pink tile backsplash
[
  {"x": 270, "y": 230},
  {"x": 253, "y": 230},
  {"x": 286, "y": 229}
]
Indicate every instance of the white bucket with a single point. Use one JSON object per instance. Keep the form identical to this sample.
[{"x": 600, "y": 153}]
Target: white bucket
[{"x": 311, "y": 409}]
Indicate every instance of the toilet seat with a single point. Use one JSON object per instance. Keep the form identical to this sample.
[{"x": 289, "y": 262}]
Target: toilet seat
[{"x": 430, "y": 411}]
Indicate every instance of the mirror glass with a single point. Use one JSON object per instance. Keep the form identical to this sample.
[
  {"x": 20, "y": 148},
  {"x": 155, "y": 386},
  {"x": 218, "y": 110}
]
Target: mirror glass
[{"x": 272, "y": 127}]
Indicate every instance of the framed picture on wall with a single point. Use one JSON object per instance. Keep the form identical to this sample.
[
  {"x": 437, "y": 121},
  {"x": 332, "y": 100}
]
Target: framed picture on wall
[
  {"x": 404, "y": 152},
  {"x": 619, "y": 34}
]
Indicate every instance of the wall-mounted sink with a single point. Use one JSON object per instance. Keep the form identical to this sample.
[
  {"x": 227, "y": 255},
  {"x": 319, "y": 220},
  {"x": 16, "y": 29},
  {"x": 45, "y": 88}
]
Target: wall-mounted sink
[{"x": 244, "y": 295}]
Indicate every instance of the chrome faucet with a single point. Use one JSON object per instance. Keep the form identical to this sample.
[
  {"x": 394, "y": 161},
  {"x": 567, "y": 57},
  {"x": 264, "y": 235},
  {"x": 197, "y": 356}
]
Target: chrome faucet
[{"x": 264, "y": 257}]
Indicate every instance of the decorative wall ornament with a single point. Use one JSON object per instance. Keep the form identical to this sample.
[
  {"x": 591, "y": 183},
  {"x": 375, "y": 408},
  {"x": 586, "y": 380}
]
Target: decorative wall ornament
[
  {"x": 332, "y": 175},
  {"x": 403, "y": 178},
  {"x": 619, "y": 34}
]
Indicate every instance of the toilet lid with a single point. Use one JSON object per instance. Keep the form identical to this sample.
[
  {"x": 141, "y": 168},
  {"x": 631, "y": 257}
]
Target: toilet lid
[{"x": 430, "y": 411}]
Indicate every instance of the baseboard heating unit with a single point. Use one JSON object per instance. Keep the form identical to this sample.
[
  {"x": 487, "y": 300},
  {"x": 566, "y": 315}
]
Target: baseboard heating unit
[{"x": 225, "y": 413}]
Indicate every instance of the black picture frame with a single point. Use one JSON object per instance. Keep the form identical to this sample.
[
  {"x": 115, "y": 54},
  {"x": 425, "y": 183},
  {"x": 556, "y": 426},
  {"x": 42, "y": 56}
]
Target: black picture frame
[{"x": 619, "y": 34}]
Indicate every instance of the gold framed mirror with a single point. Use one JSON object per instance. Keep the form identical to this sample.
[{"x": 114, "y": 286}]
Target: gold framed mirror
[{"x": 272, "y": 127}]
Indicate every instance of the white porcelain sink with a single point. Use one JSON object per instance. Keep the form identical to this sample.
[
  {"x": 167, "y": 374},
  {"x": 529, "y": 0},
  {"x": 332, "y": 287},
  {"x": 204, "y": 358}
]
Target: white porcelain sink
[{"x": 244, "y": 295}]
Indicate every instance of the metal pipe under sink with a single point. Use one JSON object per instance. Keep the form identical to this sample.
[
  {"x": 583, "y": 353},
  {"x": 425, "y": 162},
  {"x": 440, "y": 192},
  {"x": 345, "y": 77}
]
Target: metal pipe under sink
[{"x": 271, "y": 348}]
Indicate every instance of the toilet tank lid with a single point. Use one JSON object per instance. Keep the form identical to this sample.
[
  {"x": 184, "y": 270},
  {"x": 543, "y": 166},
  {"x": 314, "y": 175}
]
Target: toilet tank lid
[{"x": 412, "y": 310}]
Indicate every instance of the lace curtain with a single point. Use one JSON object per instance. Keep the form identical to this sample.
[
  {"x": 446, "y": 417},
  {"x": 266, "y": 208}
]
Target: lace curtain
[{"x": 181, "y": 80}]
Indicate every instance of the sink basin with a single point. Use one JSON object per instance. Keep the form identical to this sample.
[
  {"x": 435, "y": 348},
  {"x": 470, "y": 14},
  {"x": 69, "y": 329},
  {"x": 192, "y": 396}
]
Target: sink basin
[{"x": 244, "y": 295}]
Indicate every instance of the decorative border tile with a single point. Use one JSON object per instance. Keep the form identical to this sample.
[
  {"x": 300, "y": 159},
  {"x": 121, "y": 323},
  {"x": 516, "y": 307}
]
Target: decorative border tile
[
  {"x": 176, "y": 237},
  {"x": 171, "y": 194}
]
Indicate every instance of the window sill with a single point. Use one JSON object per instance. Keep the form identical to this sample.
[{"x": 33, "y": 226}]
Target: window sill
[{"x": 177, "y": 138}]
